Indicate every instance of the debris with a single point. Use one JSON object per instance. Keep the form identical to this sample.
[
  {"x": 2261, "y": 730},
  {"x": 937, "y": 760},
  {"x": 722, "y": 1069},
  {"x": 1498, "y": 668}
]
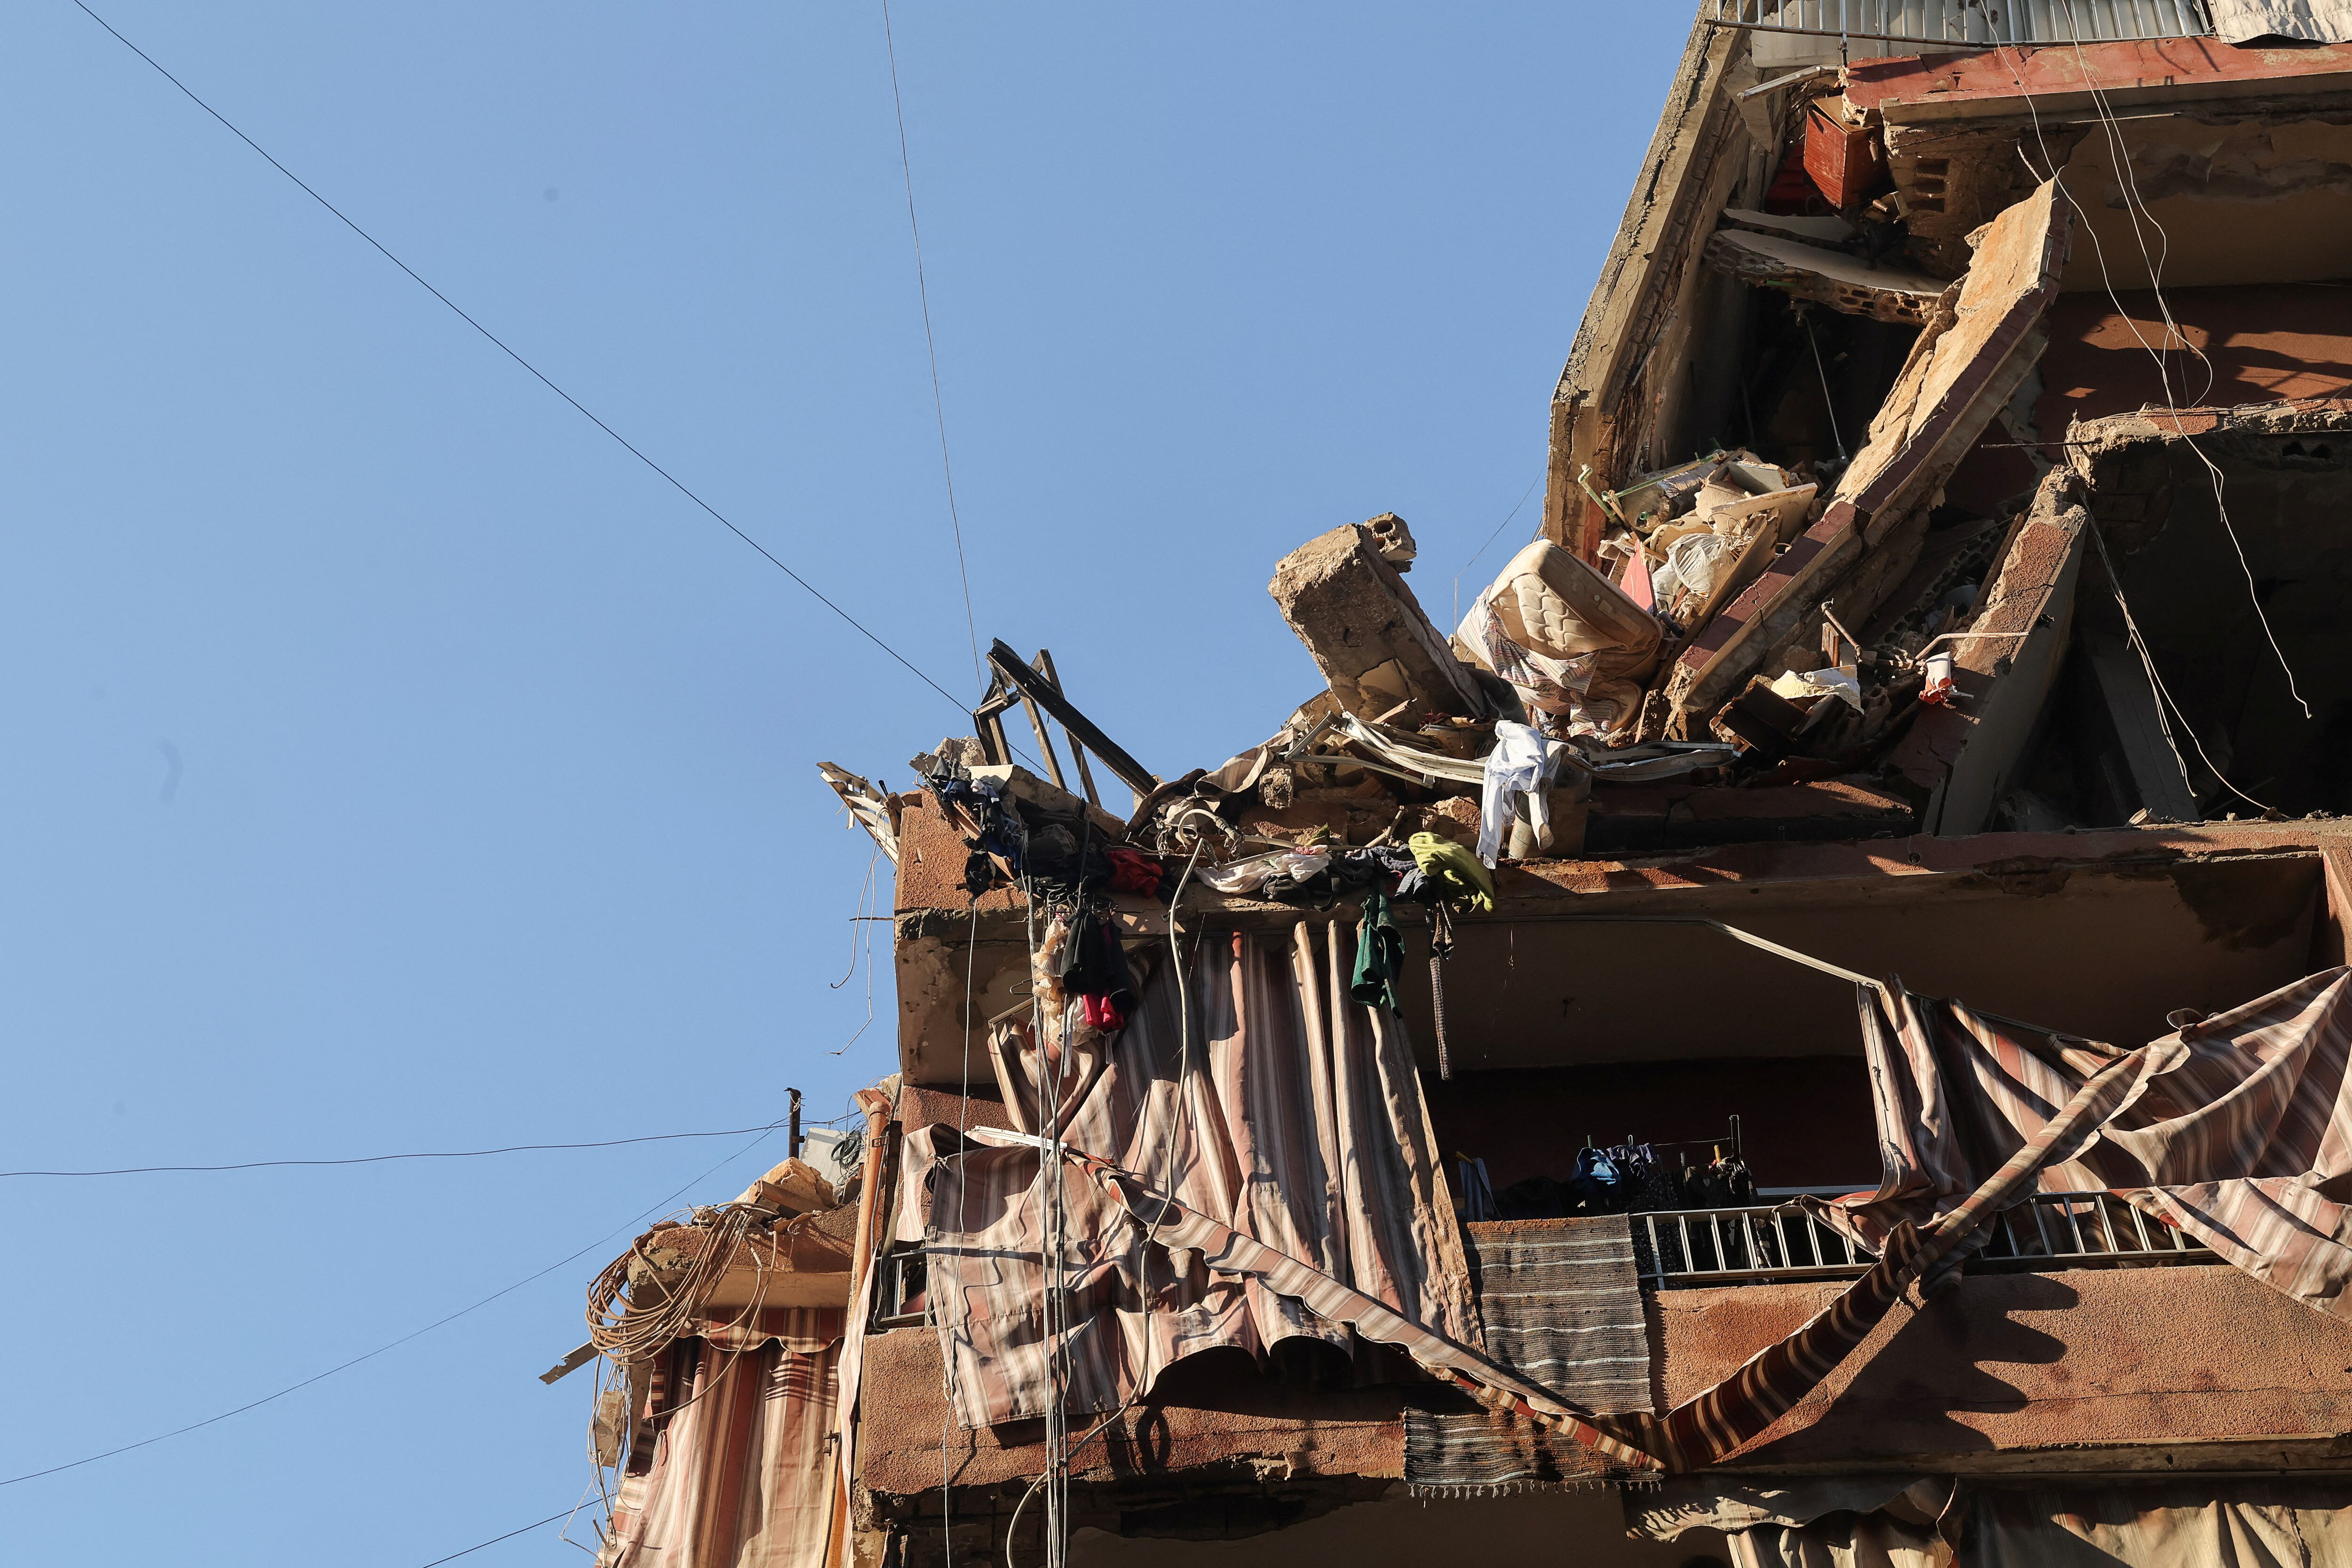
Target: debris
[
  {"x": 1568, "y": 640},
  {"x": 1038, "y": 688},
  {"x": 2151, "y": 771},
  {"x": 1367, "y": 632},
  {"x": 868, "y": 806},
  {"x": 1831, "y": 277},
  {"x": 1966, "y": 364},
  {"x": 791, "y": 1188},
  {"x": 1843, "y": 156},
  {"x": 571, "y": 1363}
]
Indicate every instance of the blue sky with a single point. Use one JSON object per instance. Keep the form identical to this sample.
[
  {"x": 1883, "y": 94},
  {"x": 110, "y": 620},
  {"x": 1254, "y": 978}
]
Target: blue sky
[{"x": 393, "y": 763}]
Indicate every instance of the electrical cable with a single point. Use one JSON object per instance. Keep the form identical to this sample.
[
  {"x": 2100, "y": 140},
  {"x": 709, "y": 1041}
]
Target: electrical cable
[
  {"x": 963, "y": 1123},
  {"x": 865, "y": 900},
  {"x": 2049, "y": 171},
  {"x": 1490, "y": 545},
  {"x": 510, "y": 1535},
  {"x": 2135, "y": 208},
  {"x": 501, "y": 345},
  {"x": 1502, "y": 525},
  {"x": 213, "y": 1420},
  {"x": 1185, "y": 1102},
  {"x": 382, "y": 1159},
  {"x": 2148, "y": 663},
  {"x": 923, "y": 291}
]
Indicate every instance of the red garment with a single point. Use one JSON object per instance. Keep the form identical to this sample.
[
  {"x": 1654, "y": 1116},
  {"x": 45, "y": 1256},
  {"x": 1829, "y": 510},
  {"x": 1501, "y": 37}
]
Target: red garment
[
  {"x": 1102, "y": 1013},
  {"x": 1133, "y": 871}
]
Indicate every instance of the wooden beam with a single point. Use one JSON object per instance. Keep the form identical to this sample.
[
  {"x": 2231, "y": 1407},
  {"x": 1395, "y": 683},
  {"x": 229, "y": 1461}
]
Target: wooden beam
[{"x": 1031, "y": 684}]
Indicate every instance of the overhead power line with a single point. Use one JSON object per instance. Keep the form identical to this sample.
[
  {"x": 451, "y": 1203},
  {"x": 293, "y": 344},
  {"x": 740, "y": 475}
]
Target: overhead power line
[
  {"x": 504, "y": 348},
  {"x": 391, "y": 1345},
  {"x": 510, "y": 1535},
  {"x": 382, "y": 1159},
  {"x": 923, "y": 291}
]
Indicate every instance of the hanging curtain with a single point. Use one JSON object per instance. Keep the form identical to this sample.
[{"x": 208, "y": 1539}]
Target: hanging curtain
[
  {"x": 1900, "y": 1522},
  {"x": 1294, "y": 1117},
  {"x": 2241, "y": 1134},
  {"x": 2210, "y": 1523},
  {"x": 742, "y": 1473}
]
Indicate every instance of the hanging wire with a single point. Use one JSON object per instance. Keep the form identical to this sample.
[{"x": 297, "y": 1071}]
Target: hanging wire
[
  {"x": 861, "y": 925},
  {"x": 539, "y": 374},
  {"x": 2135, "y": 208},
  {"x": 2120, "y": 156},
  {"x": 923, "y": 291}
]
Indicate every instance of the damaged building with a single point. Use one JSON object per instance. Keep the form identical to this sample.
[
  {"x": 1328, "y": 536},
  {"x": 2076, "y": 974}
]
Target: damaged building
[{"x": 1809, "y": 1026}]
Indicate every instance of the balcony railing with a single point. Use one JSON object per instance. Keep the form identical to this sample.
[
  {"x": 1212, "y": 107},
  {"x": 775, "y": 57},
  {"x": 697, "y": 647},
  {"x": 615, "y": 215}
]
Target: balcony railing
[
  {"x": 2049, "y": 1230},
  {"x": 1970, "y": 24}
]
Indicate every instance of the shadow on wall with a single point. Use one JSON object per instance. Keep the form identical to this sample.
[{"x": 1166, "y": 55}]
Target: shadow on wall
[
  {"x": 1948, "y": 1362},
  {"x": 1586, "y": 1527}
]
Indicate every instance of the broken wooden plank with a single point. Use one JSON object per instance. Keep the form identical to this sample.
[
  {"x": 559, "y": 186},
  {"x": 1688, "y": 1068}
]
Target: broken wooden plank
[
  {"x": 1044, "y": 664},
  {"x": 1048, "y": 695},
  {"x": 867, "y": 806}
]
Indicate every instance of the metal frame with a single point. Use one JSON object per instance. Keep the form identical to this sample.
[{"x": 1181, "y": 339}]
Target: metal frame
[
  {"x": 1982, "y": 24},
  {"x": 1036, "y": 686},
  {"x": 890, "y": 1291},
  {"x": 1775, "y": 1242}
]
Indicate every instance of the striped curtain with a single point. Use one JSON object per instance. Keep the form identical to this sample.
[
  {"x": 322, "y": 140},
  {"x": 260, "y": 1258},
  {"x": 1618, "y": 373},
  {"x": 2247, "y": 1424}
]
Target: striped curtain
[
  {"x": 1260, "y": 1094},
  {"x": 2241, "y": 1136},
  {"x": 742, "y": 1473}
]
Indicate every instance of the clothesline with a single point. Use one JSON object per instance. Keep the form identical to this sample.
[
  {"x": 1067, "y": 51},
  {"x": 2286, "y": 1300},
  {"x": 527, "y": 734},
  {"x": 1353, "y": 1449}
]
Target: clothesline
[{"x": 1733, "y": 932}]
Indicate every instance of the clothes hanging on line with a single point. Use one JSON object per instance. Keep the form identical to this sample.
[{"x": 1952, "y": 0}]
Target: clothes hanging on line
[{"x": 1380, "y": 955}]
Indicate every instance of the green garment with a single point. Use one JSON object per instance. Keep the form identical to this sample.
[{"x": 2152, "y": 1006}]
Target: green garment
[
  {"x": 1380, "y": 955},
  {"x": 1454, "y": 870}
]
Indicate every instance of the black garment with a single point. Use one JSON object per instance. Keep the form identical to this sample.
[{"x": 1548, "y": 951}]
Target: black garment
[
  {"x": 1060, "y": 859},
  {"x": 1095, "y": 964},
  {"x": 1003, "y": 833}
]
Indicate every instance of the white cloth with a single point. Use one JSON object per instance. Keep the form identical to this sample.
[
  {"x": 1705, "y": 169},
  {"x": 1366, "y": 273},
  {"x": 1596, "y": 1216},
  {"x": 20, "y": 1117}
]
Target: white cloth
[
  {"x": 2315, "y": 21},
  {"x": 1521, "y": 764},
  {"x": 1239, "y": 877}
]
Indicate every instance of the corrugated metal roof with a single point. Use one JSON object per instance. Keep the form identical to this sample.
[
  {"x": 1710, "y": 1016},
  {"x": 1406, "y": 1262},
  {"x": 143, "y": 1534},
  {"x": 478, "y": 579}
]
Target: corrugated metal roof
[{"x": 1970, "y": 24}]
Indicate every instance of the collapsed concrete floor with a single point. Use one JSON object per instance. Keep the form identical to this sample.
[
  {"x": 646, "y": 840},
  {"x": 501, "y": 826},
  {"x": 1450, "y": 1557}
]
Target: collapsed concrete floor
[{"x": 1898, "y": 722}]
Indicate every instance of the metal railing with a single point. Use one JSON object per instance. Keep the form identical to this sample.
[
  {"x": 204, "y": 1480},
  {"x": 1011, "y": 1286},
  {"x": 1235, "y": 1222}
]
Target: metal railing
[
  {"x": 2049, "y": 1230},
  {"x": 1971, "y": 24}
]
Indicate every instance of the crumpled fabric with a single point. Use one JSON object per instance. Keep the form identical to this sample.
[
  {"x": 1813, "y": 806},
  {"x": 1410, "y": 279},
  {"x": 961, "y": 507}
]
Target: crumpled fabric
[
  {"x": 2313, "y": 21},
  {"x": 1380, "y": 955},
  {"x": 1003, "y": 833},
  {"x": 1058, "y": 858},
  {"x": 1133, "y": 871},
  {"x": 1520, "y": 767},
  {"x": 1095, "y": 967},
  {"x": 1566, "y": 639},
  {"x": 1350, "y": 872},
  {"x": 1239, "y": 877},
  {"x": 1452, "y": 871}
]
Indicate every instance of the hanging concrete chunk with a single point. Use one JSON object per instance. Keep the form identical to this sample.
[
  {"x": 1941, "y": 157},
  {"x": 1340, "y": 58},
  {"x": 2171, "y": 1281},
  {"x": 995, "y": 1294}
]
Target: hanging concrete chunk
[
  {"x": 1831, "y": 278},
  {"x": 1365, "y": 629},
  {"x": 1967, "y": 362}
]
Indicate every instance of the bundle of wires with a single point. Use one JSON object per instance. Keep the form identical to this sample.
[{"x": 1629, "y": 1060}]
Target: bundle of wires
[{"x": 645, "y": 1325}]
